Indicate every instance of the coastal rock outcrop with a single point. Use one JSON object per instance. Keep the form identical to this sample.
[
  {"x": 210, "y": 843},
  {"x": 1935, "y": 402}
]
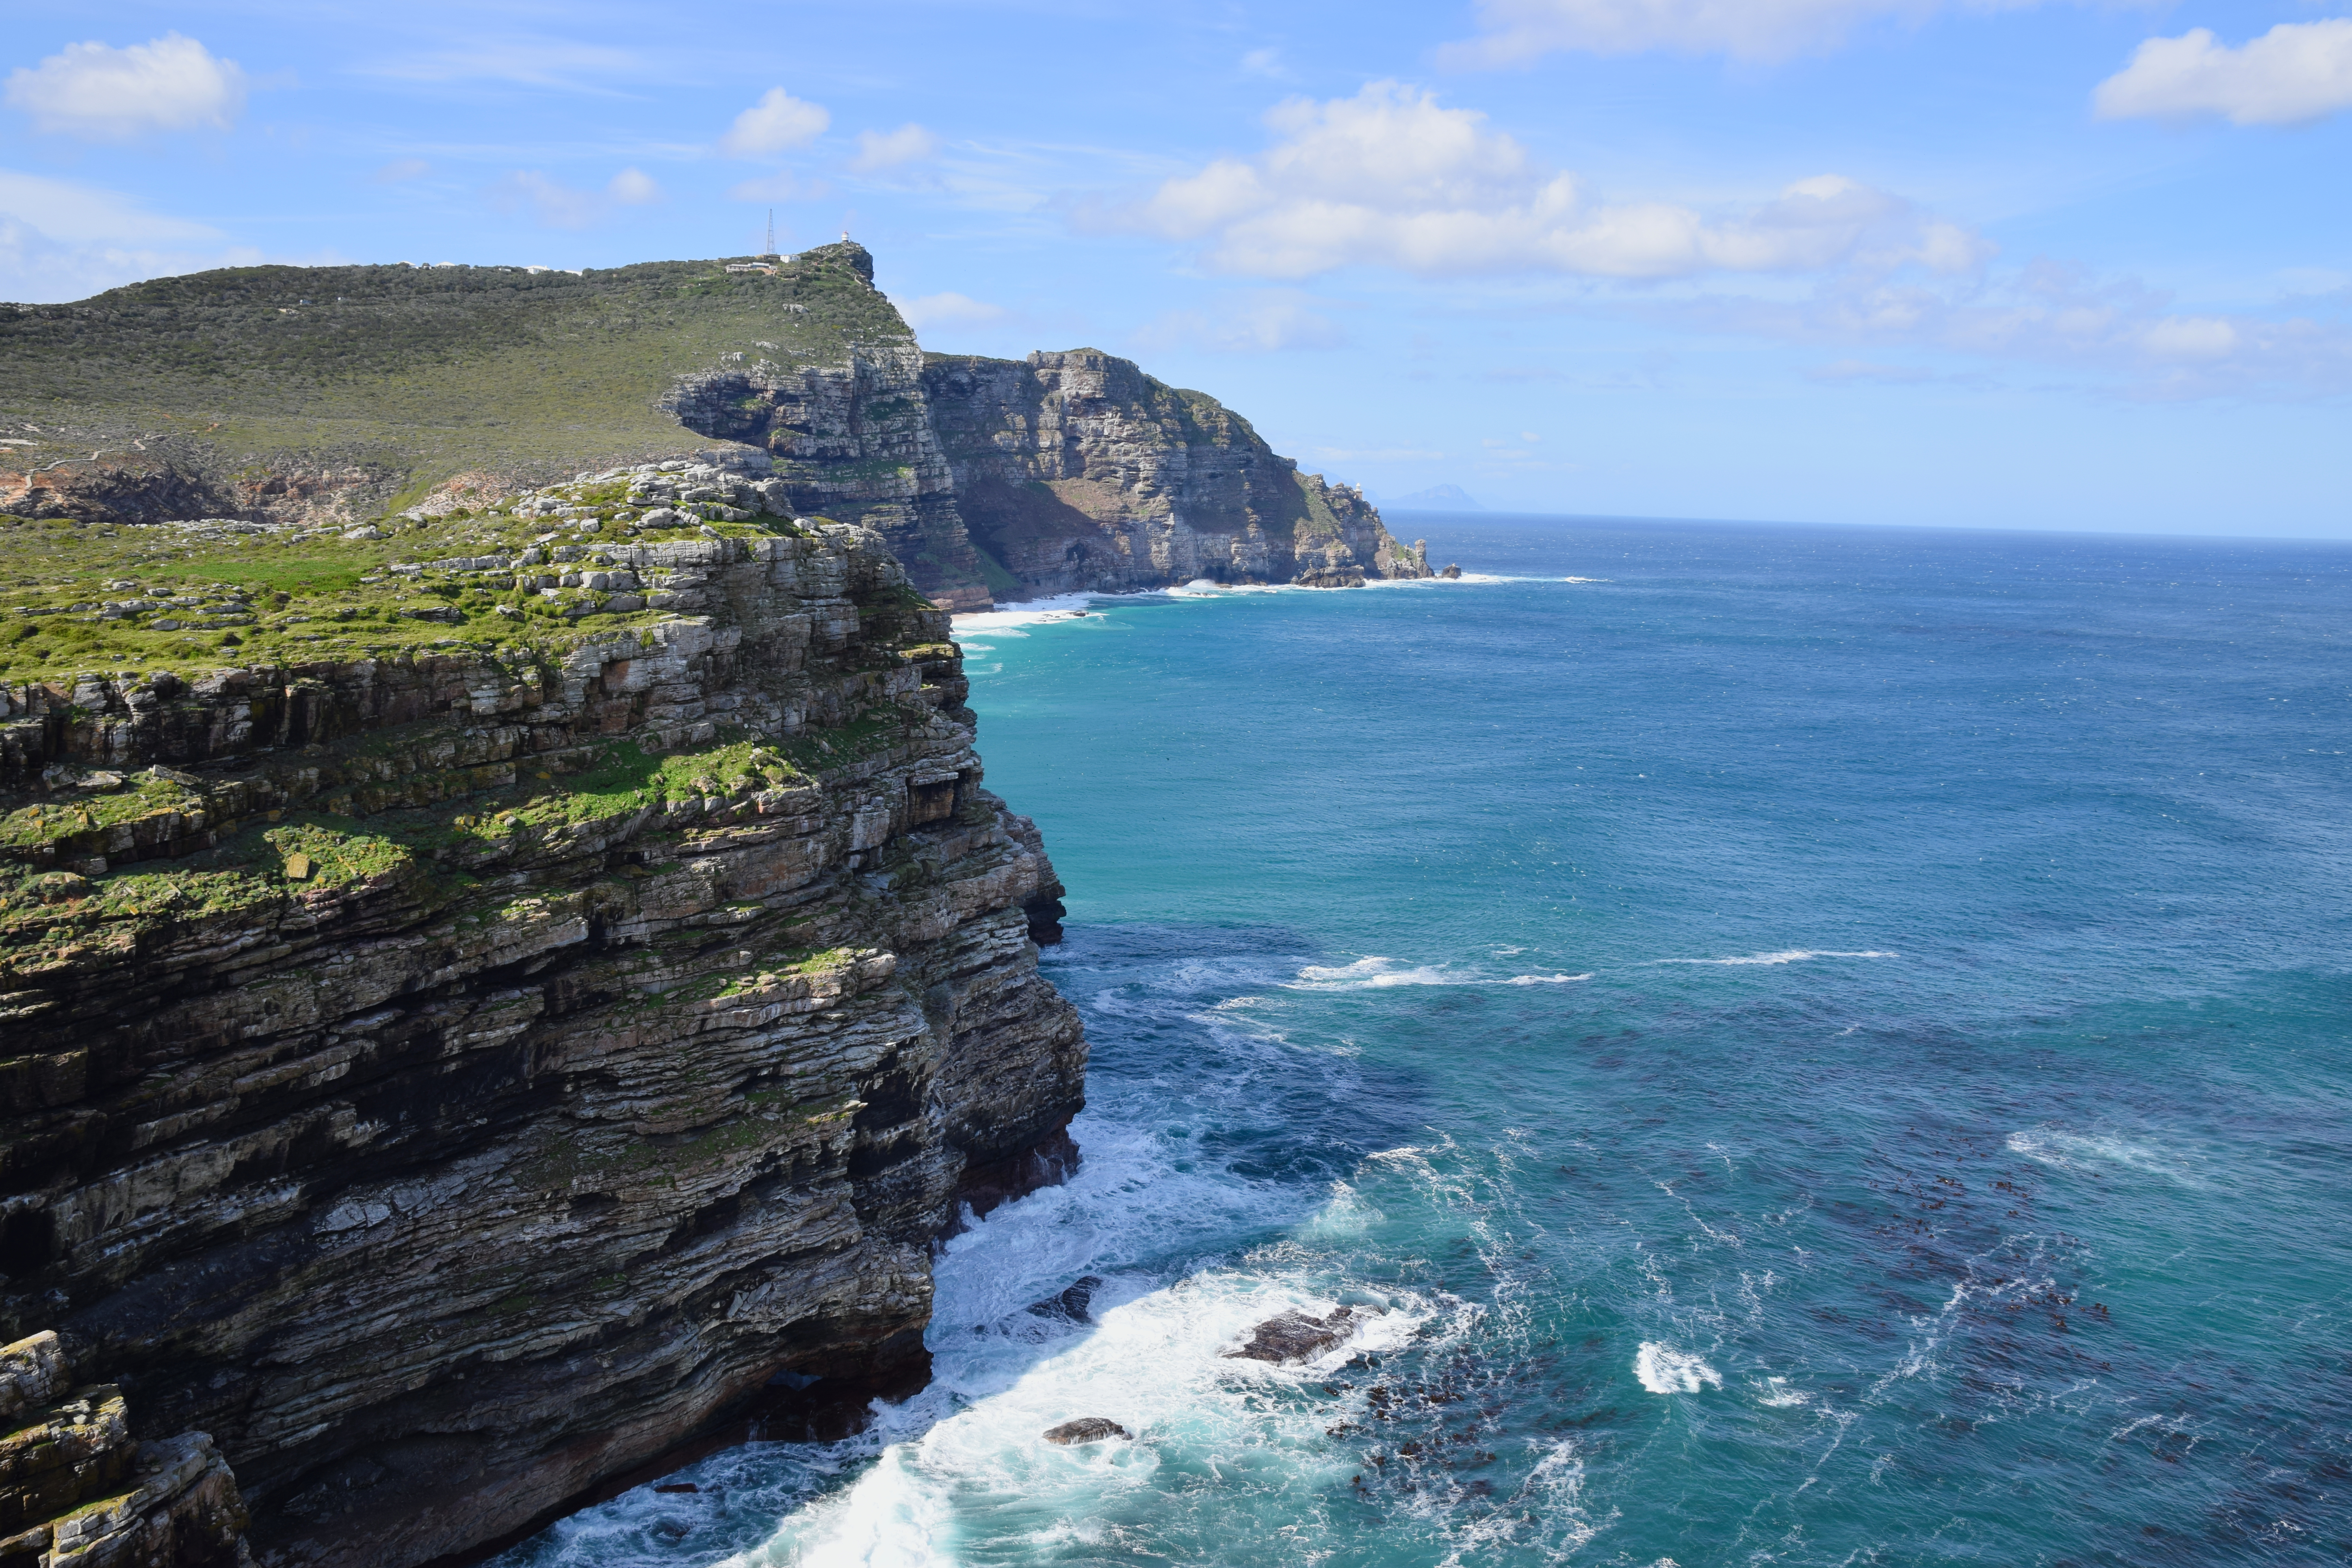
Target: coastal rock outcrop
[
  {"x": 1296, "y": 1336},
  {"x": 849, "y": 439},
  {"x": 77, "y": 1491},
  {"x": 1075, "y": 472},
  {"x": 456, "y": 1077}
]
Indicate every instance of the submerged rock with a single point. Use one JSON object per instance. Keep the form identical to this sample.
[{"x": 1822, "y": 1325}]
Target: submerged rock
[
  {"x": 1296, "y": 1336},
  {"x": 1071, "y": 1305},
  {"x": 1086, "y": 1429}
]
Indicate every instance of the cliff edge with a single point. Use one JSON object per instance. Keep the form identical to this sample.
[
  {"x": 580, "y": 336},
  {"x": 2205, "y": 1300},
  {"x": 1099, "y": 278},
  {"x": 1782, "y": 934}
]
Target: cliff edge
[
  {"x": 487, "y": 999},
  {"x": 1075, "y": 471}
]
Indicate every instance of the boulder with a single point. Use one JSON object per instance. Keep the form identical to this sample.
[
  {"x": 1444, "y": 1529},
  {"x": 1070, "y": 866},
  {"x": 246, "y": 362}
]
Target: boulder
[
  {"x": 1296, "y": 1337},
  {"x": 1086, "y": 1429}
]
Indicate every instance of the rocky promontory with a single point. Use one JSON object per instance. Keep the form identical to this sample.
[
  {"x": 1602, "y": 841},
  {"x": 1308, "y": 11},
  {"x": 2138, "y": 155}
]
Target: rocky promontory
[
  {"x": 1077, "y": 472},
  {"x": 332, "y": 395},
  {"x": 487, "y": 999}
]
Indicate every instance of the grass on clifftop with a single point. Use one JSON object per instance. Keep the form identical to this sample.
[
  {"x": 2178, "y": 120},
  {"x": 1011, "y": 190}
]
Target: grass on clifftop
[
  {"x": 300, "y": 597},
  {"x": 422, "y": 372}
]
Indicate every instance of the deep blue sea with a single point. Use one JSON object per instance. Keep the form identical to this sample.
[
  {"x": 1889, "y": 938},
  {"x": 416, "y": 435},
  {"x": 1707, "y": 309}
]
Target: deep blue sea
[{"x": 1799, "y": 1046}]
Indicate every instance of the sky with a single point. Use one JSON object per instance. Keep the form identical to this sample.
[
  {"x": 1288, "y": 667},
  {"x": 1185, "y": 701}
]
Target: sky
[{"x": 2081, "y": 264}]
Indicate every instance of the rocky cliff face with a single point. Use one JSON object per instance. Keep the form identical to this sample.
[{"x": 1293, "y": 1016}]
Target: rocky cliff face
[
  {"x": 452, "y": 1078},
  {"x": 1077, "y": 471},
  {"x": 851, "y": 441},
  {"x": 77, "y": 1491}
]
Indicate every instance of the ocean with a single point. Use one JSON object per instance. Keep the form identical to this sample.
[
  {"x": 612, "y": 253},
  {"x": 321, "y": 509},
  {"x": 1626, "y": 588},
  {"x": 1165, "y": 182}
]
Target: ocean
[{"x": 1795, "y": 1045}]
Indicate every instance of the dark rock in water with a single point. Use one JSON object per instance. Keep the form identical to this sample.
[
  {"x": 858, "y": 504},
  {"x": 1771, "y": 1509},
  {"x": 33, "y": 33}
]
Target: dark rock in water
[
  {"x": 1071, "y": 1305},
  {"x": 1451, "y": 571},
  {"x": 1086, "y": 1429},
  {"x": 1295, "y": 1336},
  {"x": 677, "y": 1487}
]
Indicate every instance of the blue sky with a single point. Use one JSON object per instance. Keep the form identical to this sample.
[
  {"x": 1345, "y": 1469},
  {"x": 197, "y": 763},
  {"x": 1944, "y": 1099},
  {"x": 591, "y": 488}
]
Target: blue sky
[{"x": 1961, "y": 262}]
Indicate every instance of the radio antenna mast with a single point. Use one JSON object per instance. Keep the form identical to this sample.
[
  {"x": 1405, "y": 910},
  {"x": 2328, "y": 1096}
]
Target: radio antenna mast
[{"x": 772, "y": 233}]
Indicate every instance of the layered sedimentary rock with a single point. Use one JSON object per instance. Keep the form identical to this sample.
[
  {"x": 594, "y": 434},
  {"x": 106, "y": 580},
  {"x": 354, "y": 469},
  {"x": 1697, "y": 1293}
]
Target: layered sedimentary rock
[
  {"x": 78, "y": 1491},
  {"x": 851, "y": 440},
  {"x": 453, "y": 1079},
  {"x": 330, "y": 397},
  {"x": 1077, "y": 471}
]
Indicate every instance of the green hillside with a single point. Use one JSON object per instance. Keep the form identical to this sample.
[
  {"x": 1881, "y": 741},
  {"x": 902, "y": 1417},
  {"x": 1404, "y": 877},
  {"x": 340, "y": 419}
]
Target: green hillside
[{"x": 406, "y": 375}]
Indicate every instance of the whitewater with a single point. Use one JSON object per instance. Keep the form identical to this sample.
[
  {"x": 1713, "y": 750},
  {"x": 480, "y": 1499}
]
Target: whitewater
[{"x": 1811, "y": 1047}]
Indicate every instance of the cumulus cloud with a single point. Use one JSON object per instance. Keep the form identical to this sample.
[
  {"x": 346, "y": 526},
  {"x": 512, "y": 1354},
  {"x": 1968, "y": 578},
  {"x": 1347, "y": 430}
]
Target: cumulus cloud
[
  {"x": 777, "y": 123},
  {"x": 1391, "y": 178},
  {"x": 1513, "y": 31},
  {"x": 949, "y": 309},
  {"x": 103, "y": 94},
  {"x": 1264, "y": 323},
  {"x": 879, "y": 150},
  {"x": 2295, "y": 73}
]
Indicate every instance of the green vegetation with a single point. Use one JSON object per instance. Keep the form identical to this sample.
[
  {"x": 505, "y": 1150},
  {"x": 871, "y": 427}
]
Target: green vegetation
[
  {"x": 255, "y": 596},
  {"x": 396, "y": 378}
]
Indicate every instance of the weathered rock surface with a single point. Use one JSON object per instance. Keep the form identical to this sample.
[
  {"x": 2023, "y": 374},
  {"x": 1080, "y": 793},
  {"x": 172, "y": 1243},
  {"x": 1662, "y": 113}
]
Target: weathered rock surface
[
  {"x": 851, "y": 441},
  {"x": 1086, "y": 1429},
  {"x": 452, "y": 1078},
  {"x": 77, "y": 1491},
  {"x": 1077, "y": 472},
  {"x": 1296, "y": 1336}
]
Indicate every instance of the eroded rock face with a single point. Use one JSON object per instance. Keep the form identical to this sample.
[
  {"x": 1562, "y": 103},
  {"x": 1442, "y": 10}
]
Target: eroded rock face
[
  {"x": 451, "y": 1081},
  {"x": 1080, "y": 473},
  {"x": 77, "y": 1491},
  {"x": 852, "y": 442}
]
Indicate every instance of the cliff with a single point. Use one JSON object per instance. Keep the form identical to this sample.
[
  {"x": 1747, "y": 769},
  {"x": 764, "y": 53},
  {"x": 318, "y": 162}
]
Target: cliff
[
  {"x": 485, "y": 1003},
  {"x": 322, "y": 394},
  {"x": 1077, "y": 471},
  {"x": 330, "y": 397},
  {"x": 77, "y": 1491}
]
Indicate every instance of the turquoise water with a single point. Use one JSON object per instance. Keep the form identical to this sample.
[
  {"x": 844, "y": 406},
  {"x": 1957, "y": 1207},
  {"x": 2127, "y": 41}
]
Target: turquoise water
[{"x": 1798, "y": 1047}]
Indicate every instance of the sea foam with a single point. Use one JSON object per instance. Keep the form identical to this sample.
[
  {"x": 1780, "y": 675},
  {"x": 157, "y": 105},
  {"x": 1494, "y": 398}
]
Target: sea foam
[
  {"x": 1788, "y": 955},
  {"x": 1666, "y": 1370}
]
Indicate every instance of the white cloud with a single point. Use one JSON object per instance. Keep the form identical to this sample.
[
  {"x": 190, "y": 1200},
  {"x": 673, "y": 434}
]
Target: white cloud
[
  {"x": 634, "y": 187},
  {"x": 949, "y": 309},
  {"x": 2124, "y": 336},
  {"x": 878, "y": 150},
  {"x": 1391, "y": 178},
  {"x": 401, "y": 169},
  {"x": 1266, "y": 323},
  {"x": 103, "y": 94},
  {"x": 59, "y": 241},
  {"x": 2190, "y": 338},
  {"x": 778, "y": 122},
  {"x": 558, "y": 206},
  {"x": 2296, "y": 72},
  {"x": 1266, "y": 63},
  {"x": 1513, "y": 31},
  {"x": 784, "y": 186},
  {"x": 84, "y": 215}
]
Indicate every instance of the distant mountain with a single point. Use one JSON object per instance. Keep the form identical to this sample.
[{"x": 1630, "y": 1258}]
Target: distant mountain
[{"x": 1436, "y": 497}]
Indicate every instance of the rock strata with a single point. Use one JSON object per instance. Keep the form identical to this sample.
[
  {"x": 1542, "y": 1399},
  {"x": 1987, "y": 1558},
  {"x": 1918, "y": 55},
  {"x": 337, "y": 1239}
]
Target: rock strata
[
  {"x": 455, "y": 1077},
  {"x": 1076, "y": 472},
  {"x": 77, "y": 1491}
]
